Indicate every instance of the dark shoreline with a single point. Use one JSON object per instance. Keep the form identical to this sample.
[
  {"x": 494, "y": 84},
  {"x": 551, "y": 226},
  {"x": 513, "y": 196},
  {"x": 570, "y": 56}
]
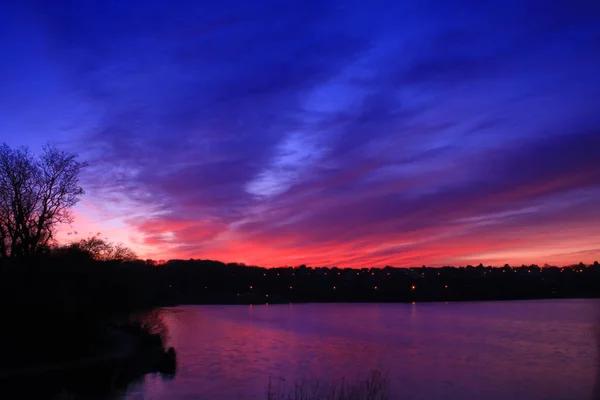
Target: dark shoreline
[{"x": 129, "y": 358}]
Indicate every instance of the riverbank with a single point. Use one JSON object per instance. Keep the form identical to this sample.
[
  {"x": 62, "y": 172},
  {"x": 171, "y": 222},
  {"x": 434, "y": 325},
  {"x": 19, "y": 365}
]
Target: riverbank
[
  {"x": 123, "y": 347},
  {"x": 128, "y": 354}
]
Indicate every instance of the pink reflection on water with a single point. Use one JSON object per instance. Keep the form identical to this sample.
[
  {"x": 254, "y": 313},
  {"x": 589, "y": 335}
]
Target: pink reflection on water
[{"x": 495, "y": 350}]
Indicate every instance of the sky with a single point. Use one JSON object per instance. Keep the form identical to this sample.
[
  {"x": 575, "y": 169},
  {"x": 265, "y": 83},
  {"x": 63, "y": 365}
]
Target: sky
[{"x": 329, "y": 132}]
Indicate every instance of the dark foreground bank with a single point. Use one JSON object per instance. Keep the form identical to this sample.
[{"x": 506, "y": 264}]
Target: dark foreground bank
[{"x": 83, "y": 356}]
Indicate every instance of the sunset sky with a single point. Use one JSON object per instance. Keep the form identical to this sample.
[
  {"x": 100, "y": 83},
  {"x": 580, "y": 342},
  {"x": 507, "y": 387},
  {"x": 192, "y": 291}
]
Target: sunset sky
[{"x": 324, "y": 132}]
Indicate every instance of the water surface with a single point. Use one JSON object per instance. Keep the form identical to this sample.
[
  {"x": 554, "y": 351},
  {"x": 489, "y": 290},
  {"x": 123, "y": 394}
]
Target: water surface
[{"x": 480, "y": 350}]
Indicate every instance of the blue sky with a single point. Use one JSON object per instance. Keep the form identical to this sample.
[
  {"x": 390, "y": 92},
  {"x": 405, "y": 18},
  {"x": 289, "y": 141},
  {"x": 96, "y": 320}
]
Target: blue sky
[{"x": 324, "y": 132}]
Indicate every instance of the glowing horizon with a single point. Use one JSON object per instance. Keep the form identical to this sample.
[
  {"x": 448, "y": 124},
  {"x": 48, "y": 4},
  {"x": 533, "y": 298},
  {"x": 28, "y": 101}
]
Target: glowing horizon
[{"x": 552, "y": 248}]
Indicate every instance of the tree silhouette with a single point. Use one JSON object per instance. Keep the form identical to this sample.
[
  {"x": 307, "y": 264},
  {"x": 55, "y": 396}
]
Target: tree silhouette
[
  {"x": 36, "y": 194},
  {"x": 99, "y": 249},
  {"x": 122, "y": 253}
]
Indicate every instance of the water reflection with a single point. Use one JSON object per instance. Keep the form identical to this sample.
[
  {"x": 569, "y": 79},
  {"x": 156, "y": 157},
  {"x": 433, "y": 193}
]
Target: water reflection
[{"x": 496, "y": 350}]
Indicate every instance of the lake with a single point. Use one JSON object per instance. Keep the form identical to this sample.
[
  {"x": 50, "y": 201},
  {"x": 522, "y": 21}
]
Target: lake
[{"x": 530, "y": 350}]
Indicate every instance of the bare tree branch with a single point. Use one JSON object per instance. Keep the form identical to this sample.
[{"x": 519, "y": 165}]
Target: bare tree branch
[{"x": 36, "y": 194}]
